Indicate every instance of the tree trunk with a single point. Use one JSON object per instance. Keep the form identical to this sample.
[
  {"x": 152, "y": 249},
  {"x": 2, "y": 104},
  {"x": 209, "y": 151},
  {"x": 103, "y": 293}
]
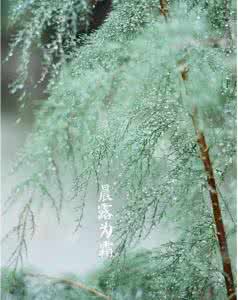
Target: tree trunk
[{"x": 220, "y": 230}]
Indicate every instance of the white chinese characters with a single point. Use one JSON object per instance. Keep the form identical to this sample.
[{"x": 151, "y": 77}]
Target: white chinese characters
[{"x": 105, "y": 215}]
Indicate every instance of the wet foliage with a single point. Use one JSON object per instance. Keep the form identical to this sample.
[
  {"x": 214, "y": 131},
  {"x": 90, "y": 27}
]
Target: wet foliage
[{"x": 119, "y": 111}]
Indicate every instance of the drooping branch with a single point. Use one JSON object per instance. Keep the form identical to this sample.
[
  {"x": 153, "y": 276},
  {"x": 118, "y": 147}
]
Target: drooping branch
[{"x": 74, "y": 284}]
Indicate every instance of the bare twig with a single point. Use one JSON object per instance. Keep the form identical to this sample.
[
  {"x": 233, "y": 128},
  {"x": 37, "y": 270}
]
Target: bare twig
[{"x": 26, "y": 222}]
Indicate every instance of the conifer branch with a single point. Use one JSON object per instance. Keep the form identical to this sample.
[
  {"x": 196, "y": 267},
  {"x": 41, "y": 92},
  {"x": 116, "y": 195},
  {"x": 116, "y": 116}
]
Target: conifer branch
[{"x": 74, "y": 284}]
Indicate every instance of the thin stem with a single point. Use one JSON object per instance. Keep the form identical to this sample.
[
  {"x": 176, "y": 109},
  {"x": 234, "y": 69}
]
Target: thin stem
[{"x": 74, "y": 284}]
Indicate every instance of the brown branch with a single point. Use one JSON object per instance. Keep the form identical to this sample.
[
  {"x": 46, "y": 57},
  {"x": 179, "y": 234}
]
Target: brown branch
[
  {"x": 220, "y": 229},
  {"x": 213, "y": 192},
  {"x": 74, "y": 284},
  {"x": 164, "y": 10}
]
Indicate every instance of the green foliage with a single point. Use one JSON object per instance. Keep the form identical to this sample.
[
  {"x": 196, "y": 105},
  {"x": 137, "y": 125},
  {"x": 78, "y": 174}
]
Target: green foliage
[
  {"x": 119, "y": 111},
  {"x": 53, "y": 29},
  {"x": 50, "y": 27},
  {"x": 13, "y": 285},
  {"x": 22, "y": 286},
  {"x": 168, "y": 273}
]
